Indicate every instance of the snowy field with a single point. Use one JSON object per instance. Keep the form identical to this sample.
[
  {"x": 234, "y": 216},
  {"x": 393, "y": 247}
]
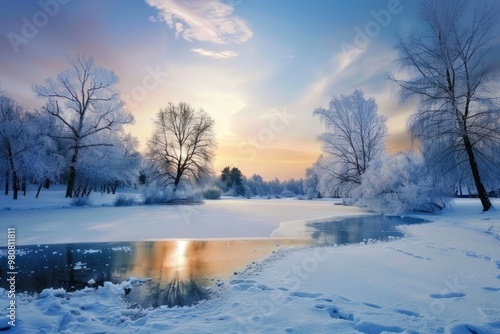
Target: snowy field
[{"x": 444, "y": 277}]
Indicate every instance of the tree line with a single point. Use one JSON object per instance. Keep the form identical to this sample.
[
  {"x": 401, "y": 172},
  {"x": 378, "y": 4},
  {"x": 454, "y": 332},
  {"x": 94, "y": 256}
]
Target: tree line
[
  {"x": 232, "y": 182},
  {"x": 78, "y": 138}
]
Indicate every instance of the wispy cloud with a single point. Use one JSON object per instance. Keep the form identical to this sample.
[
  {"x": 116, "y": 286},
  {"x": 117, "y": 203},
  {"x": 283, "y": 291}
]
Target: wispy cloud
[
  {"x": 337, "y": 66},
  {"x": 203, "y": 20},
  {"x": 215, "y": 54}
]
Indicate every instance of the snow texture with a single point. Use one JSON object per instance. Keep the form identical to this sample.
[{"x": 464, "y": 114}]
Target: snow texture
[{"x": 444, "y": 277}]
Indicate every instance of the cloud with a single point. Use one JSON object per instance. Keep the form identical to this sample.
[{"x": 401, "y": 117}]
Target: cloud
[
  {"x": 335, "y": 67},
  {"x": 215, "y": 54},
  {"x": 203, "y": 20},
  {"x": 348, "y": 57}
]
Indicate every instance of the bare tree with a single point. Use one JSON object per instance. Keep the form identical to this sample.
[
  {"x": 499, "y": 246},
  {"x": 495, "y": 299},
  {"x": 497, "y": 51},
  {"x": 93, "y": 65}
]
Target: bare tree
[
  {"x": 355, "y": 136},
  {"x": 449, "y": 68},
  {"x": 84, "y": 100},
  {"x": 182, "y": 145}
]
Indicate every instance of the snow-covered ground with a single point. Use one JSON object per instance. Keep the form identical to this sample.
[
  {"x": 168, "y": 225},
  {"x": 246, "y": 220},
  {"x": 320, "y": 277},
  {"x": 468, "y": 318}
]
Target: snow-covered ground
[{"x": 444, "y": 277}]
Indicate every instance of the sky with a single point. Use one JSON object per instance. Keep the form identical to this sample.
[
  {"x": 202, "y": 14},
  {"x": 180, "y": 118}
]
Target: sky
[{"x": 258, "y": 67}]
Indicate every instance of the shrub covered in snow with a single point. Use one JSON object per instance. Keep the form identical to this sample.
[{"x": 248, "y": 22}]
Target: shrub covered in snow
[
  {"x": 80, "y": 201},
  {"x": 212, "y": 193},
  {"x": 287, "y": 193},
  {"x": 153, "y": 195},
  {"x": 403, "y": 183},
  {"x": 186, "y": 199},
  {"x": 122, "y": 200}
]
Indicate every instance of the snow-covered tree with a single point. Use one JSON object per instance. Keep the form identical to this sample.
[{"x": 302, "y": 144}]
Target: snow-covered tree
[
  {"x": 448, "y": 66},
  {"x": 328, "y": 184},
  {"x": 275, "y": 187},
  {"x": 354, "y": 136},
  {"x": 292, "y": 188},
  {"x": 44, "y": 159},
  {"x": 234, "y": 181},
  {"x": 84, "y": 100},
  {"x": 182, "y": 146},
  {"x": 403, "y": 183},
  {"x": 15, "y": 141},
  {"x": 108, "y": 166},
  {"x": 28, "y": 155},
  {"x": 311, "y": 182},
  {"x": 256, "y": 185}
]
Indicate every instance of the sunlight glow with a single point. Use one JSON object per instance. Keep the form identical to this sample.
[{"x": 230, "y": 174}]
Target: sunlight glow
[{"x": 179, "y": 258}]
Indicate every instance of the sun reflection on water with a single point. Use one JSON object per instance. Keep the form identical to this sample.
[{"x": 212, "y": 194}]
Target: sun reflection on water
[{"x": 178, "y": 258}]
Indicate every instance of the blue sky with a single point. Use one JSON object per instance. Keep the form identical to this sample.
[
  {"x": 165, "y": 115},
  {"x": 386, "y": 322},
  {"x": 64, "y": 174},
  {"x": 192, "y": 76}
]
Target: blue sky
[{"x": 259, "y": 68}]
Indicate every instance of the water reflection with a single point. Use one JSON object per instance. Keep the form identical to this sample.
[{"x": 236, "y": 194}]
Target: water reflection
[
  {"x": 178, "y": 271},
  {"x": 359, "y": 229},
  {"x": 179, "y": 255},
  {"x": 176, "y": 292}
]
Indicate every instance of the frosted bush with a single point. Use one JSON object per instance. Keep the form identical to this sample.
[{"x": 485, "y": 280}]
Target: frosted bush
[
  {"x": 122, "y": 200},
  {"x": 403, "y": 183},
  {"x": 80, "y": 201},
  {"x": 153, "y": 195},
  {"x": 287, "y": 193},
  {"x": 212, "y": 193}
]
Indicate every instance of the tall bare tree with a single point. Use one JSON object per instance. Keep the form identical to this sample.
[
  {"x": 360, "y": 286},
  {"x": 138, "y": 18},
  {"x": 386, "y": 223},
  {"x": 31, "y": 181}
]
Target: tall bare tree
[
  {"x": 448, "y": 67},
  {"x": 355, "y": 136},
  {"x": 84, "y": 100},
  {"x": 182, "y": 145}
]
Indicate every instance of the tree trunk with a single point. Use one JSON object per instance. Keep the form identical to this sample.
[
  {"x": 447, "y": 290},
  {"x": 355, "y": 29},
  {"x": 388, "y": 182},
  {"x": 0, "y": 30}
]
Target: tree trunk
[
  {"x": 47, "y": 183},
  {"x": 71, "y": 181},
  {"x": 7, "y": 182},
  {"x": 23, "y": 186},
  {"x": 72, "y": 174},
  {"x": 15, "y": 181},
  {"x": 469, "y": 193},
  {"x": 39, "y": 188},
  {"x": 481, "y": 191},
  {"x": 176, "y": 183}
]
